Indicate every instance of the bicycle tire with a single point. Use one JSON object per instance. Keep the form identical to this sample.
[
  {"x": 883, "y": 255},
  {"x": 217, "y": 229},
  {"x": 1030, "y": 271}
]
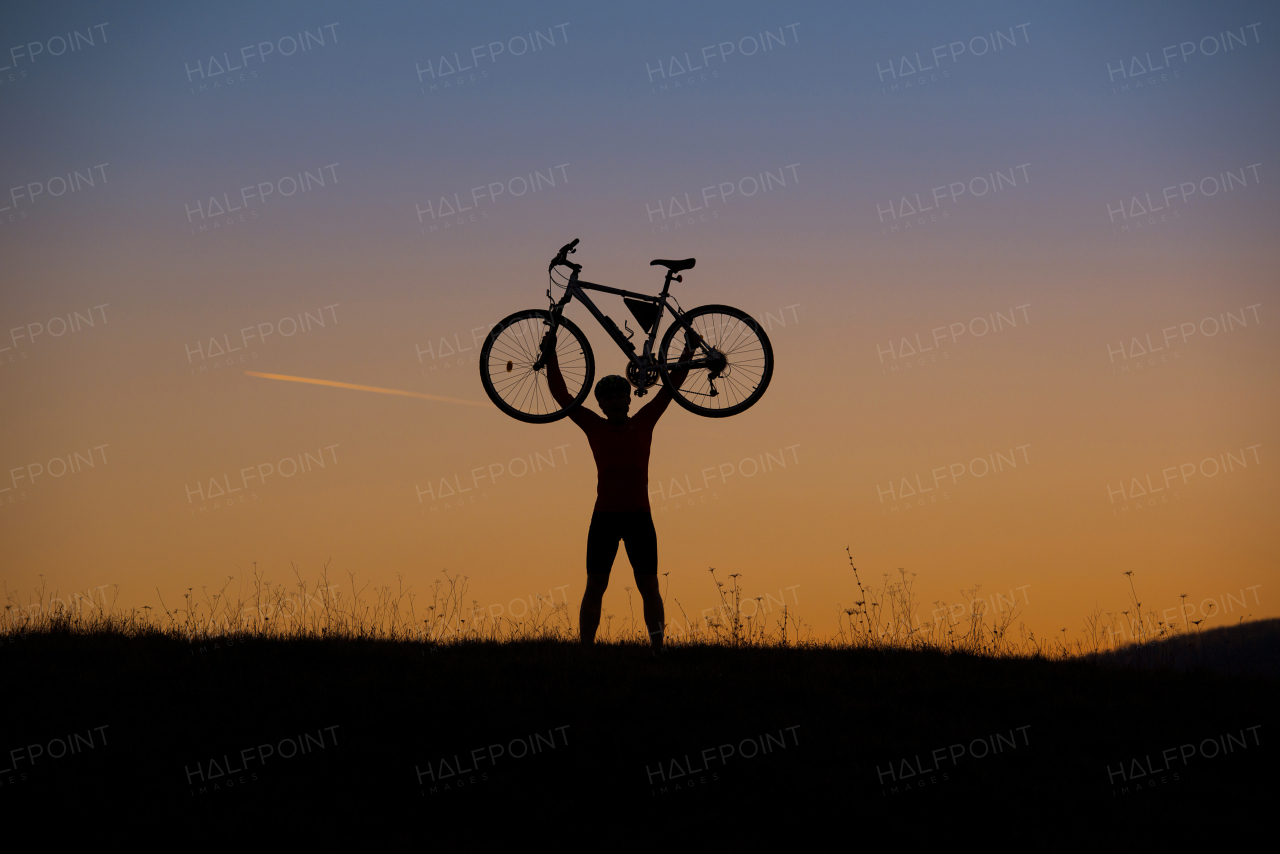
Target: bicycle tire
[
  {"x": 530, "y": 390},
  {"x": 697, "y": 377}
]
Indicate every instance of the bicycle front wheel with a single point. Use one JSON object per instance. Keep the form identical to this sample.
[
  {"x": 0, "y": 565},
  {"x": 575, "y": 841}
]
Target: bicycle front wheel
[
  {"x": 740, "y": 361},
  {"x": 509, "y": 354}
]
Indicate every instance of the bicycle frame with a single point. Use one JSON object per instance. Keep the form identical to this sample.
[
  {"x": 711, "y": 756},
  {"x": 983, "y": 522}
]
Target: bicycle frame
[{"x": 576, "y": 288}]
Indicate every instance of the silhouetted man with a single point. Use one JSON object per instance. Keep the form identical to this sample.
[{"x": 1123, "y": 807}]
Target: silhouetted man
[{"x": 620, "y": 446}]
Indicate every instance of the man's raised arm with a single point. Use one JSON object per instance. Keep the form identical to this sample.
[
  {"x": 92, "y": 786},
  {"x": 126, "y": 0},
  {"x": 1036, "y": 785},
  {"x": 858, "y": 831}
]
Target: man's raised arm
[
  {"x": 580, "y": 415},
  {"x": 653, "y": 409},
  {"x": 555, "y": 381}
]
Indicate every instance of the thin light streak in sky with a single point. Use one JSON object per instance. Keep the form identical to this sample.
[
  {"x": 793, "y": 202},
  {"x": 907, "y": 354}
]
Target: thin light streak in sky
[{"x": 336, "y": 384}]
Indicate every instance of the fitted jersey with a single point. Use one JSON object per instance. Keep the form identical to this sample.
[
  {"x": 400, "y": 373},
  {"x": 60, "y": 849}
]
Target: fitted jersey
[{"x": 621, "y": 451}]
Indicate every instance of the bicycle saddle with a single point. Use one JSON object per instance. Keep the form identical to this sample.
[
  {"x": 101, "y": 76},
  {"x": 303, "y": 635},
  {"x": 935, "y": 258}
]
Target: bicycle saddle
[{"x": 674, "y": 266}]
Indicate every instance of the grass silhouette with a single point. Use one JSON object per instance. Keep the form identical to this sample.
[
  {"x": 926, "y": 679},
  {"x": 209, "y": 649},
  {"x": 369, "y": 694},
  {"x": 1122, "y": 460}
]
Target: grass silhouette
[{"x": 884, "y": 618}]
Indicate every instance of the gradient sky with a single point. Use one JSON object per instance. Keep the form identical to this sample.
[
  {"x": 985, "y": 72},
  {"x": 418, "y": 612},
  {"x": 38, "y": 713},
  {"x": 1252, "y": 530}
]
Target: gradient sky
[{"x": 834, "y": 263}]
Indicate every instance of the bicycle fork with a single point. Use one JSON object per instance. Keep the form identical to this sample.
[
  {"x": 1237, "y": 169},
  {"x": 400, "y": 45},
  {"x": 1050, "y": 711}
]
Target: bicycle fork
[{"x": 553, "y": 328}]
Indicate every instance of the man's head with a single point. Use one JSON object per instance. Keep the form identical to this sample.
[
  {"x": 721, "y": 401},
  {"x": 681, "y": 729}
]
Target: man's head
[{"x": 613, "y": 393}]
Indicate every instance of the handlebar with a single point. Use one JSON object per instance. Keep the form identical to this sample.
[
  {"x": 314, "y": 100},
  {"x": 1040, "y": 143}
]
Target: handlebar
[{"x": 562, "y": 257}]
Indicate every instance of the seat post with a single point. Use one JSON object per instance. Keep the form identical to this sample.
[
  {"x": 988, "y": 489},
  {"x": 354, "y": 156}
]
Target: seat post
[{"x": 666, "y": 283}]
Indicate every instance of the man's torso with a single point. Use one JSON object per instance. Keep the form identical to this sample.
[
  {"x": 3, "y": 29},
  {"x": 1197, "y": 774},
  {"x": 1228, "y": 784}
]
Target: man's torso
[{"x": 621, "y": 452}]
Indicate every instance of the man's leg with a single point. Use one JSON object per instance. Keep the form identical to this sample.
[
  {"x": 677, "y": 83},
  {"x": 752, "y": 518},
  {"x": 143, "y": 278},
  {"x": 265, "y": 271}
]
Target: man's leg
[
  {"x": 589, "y": 614},
  {"x": 642, "y": 551},
  {"x": 602, "y": 548},
  {"x": 654, "y": 617}
]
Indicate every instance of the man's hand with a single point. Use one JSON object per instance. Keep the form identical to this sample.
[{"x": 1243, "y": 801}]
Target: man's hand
[
  {"x": 548, "y": 347},
  {"x": 692, "y": 340}
]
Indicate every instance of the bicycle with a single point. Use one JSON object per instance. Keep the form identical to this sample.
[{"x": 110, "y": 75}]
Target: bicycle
[{"x": 728, "y": 372}]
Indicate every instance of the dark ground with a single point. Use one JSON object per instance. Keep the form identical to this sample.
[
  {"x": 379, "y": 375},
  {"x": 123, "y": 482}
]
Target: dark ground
[{"x": 615, "y": 717}]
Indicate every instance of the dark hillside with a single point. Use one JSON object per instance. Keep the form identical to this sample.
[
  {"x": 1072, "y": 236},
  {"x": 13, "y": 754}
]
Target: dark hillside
[
  {"x": 1247, "y": 648},
  {"x": 346, "y": 739}
]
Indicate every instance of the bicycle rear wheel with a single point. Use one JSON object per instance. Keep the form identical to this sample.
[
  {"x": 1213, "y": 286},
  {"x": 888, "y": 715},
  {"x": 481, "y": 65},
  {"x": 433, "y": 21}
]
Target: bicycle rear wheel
[
  {"x": 509, "y": 354},
  {"x": 742, "y": 361}
]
